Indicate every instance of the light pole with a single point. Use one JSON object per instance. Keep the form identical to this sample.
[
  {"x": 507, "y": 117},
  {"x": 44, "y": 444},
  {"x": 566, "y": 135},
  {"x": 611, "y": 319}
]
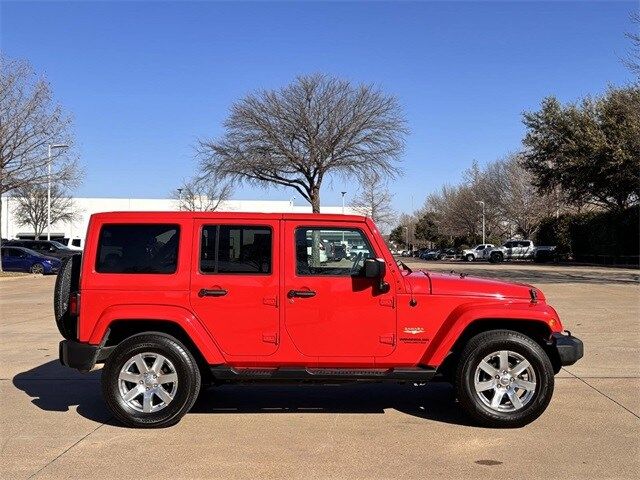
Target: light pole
[
  {"x": 481, "y": 202},
  {"x": 343, "y": 194},
  {"x": 55, "y": 145},
  {"x": 7, "y": 232},
  {"x": 407, "y": 229},
  {"x": 180, "y": 199}
]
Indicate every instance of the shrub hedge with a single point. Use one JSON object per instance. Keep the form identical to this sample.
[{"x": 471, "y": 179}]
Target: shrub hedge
[{"x": 589, "y": 236}]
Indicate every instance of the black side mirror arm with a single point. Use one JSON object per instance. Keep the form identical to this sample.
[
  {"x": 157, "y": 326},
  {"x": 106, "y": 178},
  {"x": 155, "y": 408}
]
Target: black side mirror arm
[{"x": 383, "y": 287}]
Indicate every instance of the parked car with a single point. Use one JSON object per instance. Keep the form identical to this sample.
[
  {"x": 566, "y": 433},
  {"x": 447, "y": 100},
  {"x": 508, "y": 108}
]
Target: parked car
[
  {"x": 447, "y": 253},
  {"x": 172, "y": 301},
  {"x": 520, "y": 250},
  {"x": 477, "y": 253},
  {"x": 430, "y": 255},
  {"x": 49, "y": 248},
  {"x": 19, "y": 259},
  {"x": 338, "y": 251}
]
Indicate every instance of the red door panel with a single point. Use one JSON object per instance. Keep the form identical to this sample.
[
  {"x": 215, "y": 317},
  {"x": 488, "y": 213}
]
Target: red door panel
[
  {"x": 239, "y": 308},
  {"x": 330, "y": 314}
]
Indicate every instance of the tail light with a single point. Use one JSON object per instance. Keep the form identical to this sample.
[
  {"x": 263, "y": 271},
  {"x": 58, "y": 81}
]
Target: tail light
[{"x": 74, "y": 304}]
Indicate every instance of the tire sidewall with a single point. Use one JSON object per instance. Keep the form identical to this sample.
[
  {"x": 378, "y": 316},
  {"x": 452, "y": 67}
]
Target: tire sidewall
[
  {"x": 186, "y": 369},
  {"x": 544, "y": 381}
]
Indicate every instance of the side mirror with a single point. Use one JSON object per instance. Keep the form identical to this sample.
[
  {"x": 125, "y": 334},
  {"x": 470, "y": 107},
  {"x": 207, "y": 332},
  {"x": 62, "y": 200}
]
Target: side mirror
[{"x": 376, "y": 268}]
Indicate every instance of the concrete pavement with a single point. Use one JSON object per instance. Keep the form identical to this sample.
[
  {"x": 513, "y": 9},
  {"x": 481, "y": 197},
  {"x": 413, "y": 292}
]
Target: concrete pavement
[{"x": 54, "y": 423}]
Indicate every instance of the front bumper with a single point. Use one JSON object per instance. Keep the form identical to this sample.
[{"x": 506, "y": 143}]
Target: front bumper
[
  {"x": 570, "y": 349},
  {"x": 81, "y": 356}
]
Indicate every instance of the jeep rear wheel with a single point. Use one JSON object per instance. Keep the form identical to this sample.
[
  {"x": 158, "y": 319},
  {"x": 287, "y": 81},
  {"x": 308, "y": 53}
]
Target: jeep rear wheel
[
  {"x": 504, "y": 379},
  {"x": 150, "y": 380}
]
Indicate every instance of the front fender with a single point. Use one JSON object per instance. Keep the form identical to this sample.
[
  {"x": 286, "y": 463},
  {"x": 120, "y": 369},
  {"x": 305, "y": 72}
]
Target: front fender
[
  {"x": 464, "y": 315},
  {"x": 171, "y": 313}
]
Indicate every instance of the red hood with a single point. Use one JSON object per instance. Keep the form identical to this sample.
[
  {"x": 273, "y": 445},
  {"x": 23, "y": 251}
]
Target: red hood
[{"x": 462, "y": 285}]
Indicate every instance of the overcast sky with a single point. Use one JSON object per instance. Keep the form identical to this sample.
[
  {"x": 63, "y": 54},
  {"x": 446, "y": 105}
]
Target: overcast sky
[{"x": 144, "y": 80}]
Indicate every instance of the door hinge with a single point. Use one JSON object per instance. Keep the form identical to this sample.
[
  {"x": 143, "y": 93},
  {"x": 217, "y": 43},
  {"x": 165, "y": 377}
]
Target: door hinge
[
  {"x": 388, "y": 339},
  {"x": 272, "y": 301},
  {"x": 270, "y": 338},
  {"x": 387, "y": 302}
]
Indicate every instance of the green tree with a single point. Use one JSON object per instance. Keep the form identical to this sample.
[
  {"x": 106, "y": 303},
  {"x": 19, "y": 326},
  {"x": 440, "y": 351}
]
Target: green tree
[
  {"x": 427, "y": 229},
  {"x": 398, "y": 235},
  {"x": 590, "y": 150}
]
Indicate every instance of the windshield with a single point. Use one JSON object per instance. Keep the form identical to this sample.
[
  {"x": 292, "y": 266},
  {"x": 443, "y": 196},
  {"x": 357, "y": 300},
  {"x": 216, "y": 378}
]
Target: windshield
[{"x": 59, "y": 245}]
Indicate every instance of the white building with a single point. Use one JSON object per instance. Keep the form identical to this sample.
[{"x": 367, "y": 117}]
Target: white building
[{"x": 74, "y": 232}]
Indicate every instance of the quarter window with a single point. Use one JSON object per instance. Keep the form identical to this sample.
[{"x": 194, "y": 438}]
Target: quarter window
[
  {"x": 331, "y": 251},
  {"x": 229, "y": 249},
  {"x": 138, "y": 248}
]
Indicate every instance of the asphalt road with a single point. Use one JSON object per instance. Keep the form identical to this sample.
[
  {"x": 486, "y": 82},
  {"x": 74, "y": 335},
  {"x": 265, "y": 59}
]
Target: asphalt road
[{"x": 54, "y": 423}]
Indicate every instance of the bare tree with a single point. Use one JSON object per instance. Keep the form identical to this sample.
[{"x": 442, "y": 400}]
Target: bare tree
[
  {"x": 313, "y": 128},
  {"x": 633, "y": 59},
  {"x": 374, "y": 200},
  {"x": 29, "y": 122},
  {"x": 514, "y": 197},
  {"x": 31, "y": 209},
  {"x": 456, "y": 208},
  {"x": 202, "y": 194}
]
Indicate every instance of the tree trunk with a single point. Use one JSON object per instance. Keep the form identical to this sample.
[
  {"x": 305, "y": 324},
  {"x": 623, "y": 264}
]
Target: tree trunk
[
  {"x": 1, "y": 228},
  {"x": 314, "y": 196}
]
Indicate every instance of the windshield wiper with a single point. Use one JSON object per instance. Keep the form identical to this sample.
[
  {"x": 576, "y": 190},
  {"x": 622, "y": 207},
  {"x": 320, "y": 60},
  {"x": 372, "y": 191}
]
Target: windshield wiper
[{"x": 404, "y": 266}]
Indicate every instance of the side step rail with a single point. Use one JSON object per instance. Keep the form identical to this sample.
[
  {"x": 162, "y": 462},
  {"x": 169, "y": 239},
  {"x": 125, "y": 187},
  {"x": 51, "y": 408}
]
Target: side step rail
[{"x": 302, "y": 374}]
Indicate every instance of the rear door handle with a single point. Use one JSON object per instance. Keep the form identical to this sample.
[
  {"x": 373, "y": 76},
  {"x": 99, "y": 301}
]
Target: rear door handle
[
  {"x": 301, "y": 293},
  {"x": 218, "y": 292}
]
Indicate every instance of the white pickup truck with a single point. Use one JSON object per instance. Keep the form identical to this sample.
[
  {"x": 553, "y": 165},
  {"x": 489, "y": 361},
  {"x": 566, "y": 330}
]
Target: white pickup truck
[
  {"x": 477, "y": 253},
  {"x": 520, "y": 250}
]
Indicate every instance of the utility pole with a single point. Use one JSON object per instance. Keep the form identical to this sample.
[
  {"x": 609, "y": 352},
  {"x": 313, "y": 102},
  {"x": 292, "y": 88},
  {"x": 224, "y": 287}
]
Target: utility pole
[
  {"x": 343, "y": 194},
  {"x": 481, "y": 202}
]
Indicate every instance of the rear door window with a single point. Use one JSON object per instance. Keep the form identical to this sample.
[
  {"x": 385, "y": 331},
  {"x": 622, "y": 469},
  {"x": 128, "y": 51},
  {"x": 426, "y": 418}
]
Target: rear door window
[
  {"x": 235, "y": 249},
  {"x": 138, "y": 248}
]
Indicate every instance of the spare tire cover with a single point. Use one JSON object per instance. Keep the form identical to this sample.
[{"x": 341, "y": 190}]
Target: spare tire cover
[{"x": 67, "y": 282}]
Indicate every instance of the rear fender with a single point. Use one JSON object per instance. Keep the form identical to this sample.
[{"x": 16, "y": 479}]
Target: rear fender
[
  {"x": 465, "y": 315},
  {"x": 181, "y": 316}
]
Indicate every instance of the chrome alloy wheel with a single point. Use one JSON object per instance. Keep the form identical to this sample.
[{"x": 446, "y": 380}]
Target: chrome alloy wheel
[
  {"x": 148, "y": 382},
  {"x": 505, "y": 381}
]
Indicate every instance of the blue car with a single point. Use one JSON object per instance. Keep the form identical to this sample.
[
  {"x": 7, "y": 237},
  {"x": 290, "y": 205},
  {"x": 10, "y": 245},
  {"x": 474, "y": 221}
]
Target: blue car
[{"x": 20, "y": 259}]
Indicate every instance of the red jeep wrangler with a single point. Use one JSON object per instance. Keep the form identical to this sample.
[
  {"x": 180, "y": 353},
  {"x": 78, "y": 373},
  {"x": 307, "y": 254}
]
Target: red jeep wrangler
[{"x": 171, "y": 301}]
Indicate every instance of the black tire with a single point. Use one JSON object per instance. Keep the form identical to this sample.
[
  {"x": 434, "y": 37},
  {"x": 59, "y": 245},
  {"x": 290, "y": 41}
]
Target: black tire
[
  {"x": 67, "y": 281},
  {"x": 483, "y": 345},
  {"x": 469, "y": 257},
  {"x": 186, "y": 369},
  {"x": 37, "y": 269},
  {"x": 496, "y": 257}
]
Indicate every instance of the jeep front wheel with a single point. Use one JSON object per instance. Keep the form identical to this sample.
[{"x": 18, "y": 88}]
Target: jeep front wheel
[
  {"x": 150, "y": 380},
  {"x": 504, "y": 379},
  {"x": 470, "y": 257}
]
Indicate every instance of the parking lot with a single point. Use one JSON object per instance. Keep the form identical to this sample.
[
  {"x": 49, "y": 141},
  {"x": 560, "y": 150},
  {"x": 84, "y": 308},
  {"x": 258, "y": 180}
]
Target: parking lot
[{"x": 54, "y": 423}]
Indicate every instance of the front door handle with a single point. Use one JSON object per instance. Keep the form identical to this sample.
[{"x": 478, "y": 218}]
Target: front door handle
[
  {"x": 218, "y": 292},
  {"x": 301, "y": 293}
]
